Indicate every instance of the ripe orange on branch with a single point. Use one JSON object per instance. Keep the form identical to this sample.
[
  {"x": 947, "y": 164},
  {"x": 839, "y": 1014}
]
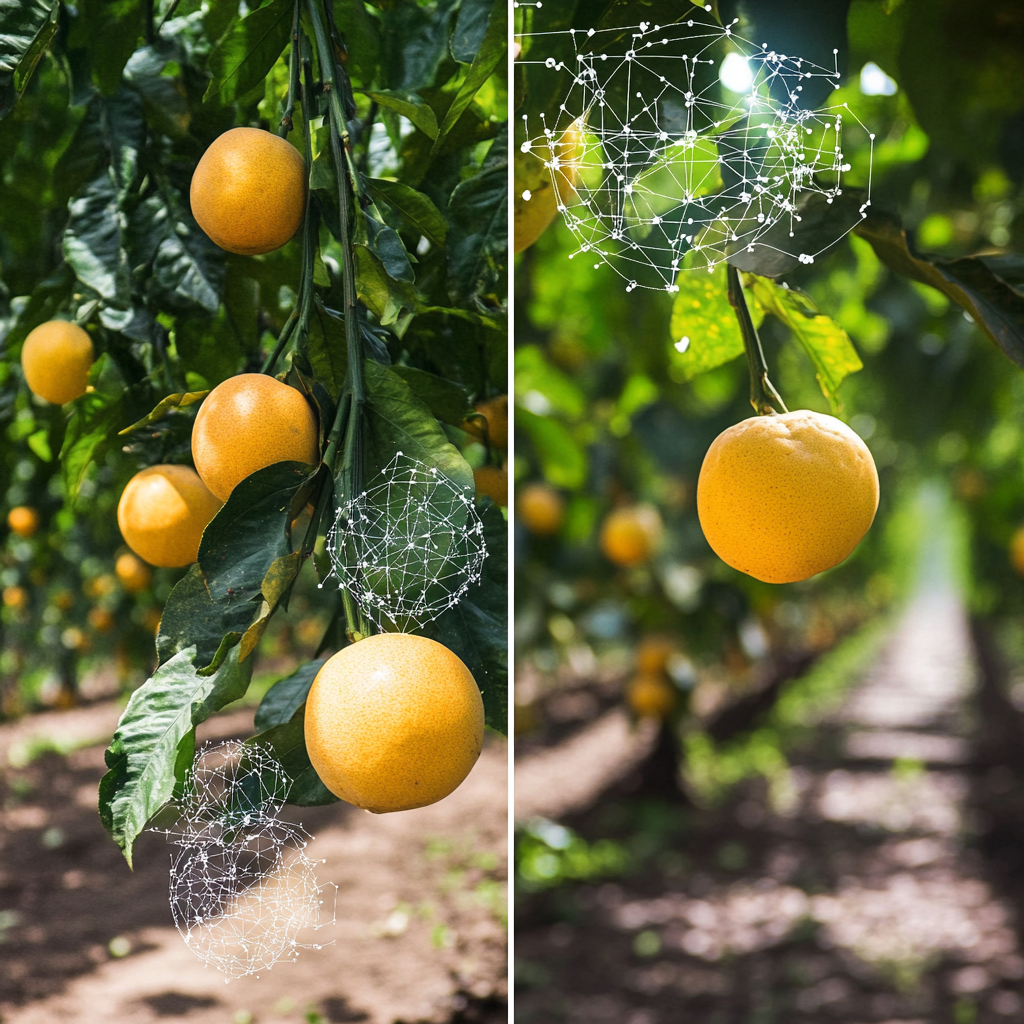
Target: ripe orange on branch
[
  {"x": 784, "y": 497},
  {"x": 56, "y": 358},
  {"x": 249, "y": 422},
  {"x": 249, "y": 191},
  {"x": 495, "y": 413},
  {"x": 134, "y": 574},
  {"x": 393, "y": 722},
  {"x": 162, "y": 514},
  {"x": 492, "y": 482},
  {"x": 23, "y": 521}
]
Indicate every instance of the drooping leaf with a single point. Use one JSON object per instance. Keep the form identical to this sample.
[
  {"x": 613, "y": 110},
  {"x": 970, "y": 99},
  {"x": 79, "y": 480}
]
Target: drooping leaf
[
  {"x": 155, "y": 738},
  {"x": 409, "y": 106},
  {"x": 380, "y": 292},
  {"x": 108, "y": 31},
  {"x": 386, "y": 245},
  {"x": 360, "y": 32},
  {"x": 327, "y": 348},
  {"x": 26, "y": 29},
  {"x": 47, "y": 298},
  {"x": 286, "y": 696},
  {"x": 93, "y": 242},
  {"x": 825, "y": 342},
  {"x": 994, "y": 306},
  {"x": 275, "y": 587},
  {"x": 181, "y": 400},
  {"x": 414, "y": 207},
  {"x": 447, "y": 400},
  {"x": 244, "y": 57}
]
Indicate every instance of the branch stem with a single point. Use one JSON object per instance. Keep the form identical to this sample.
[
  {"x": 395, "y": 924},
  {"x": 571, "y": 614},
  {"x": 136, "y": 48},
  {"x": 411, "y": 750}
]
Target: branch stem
[{"x": 763, "y": 396}]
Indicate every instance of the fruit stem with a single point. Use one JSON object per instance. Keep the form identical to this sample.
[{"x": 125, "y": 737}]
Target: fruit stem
[
  {"x": 763, "y": 396},
  {"x": 287, "y": 124},
  {"x": 286, "y": 333}
]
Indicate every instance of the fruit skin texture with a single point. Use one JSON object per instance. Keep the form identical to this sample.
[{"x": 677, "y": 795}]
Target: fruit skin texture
[
  {"x": 782, "y": 498},
  {"x": 393, "y": 722},
  {"x": 541, "y": 508},
  {"x": 629, "y": 535},
  {"x": 492, "y": 482},
  {"x": 248, "y": 422},
  {"x": 134, "y": 574},
  {"x": 56, "y": 358},
  {"x": 162, "y": 514},
  {"x": 23, "y": 521},
  {"x": 650, "y": 696},
  {"x": 532, "y": 216},
  {"x": 249, "y": 191}
]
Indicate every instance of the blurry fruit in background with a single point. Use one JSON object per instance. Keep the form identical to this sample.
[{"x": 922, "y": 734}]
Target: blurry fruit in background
[
  {"x": 650, "y": 695},
  {"x": 541, "y": 509},
  {"x": 630, "y": 535},
  {"x": 134, "y": 574},
  {"x": 1017, "y": 551},
  {"x": 162, "y": 514},
  {"x": 495, "y": 412},
  {"x": 784, "y": 497},
  {"x": 652, "y": 654},
  {"x": 536, "y": 199},
  {"x": 64, "y": 600},
  {"x": 969, "y": 484},
  {"x": 101, "y": 620},
  {"x": 99, "y": 586},
  {"x": 24, "y": 521},
  {"x": 16, "y": 598},
  {"x": 151, "y": 620},
  {"x": 492, "y": 482},
  {"x": 56, "y": 358}
]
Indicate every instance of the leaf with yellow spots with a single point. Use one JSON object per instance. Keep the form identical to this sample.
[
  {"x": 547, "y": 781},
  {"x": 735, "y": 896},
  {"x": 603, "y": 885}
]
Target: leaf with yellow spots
[{"x": 705, "y": 332}]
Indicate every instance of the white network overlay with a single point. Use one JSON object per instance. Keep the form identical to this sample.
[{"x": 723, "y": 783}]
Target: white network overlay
[
  {"x": 409, "y": 546},
  {"x": 649, "y": 200},
  {"x": 242, "y": 887}
]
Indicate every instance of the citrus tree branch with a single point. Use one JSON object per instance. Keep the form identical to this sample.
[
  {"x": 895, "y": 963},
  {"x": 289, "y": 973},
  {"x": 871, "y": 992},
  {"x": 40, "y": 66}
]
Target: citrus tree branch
[
  {"x": 287, "y": 124},
  {"x": 763, "y": 396}
]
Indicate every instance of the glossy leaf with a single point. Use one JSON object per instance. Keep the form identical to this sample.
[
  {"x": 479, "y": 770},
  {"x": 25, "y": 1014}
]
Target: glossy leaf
[
  {"x": 409, "y": 106},
  {"x": 93, "y": 242},
  {"x": 415, "y": 208},
  {"x": 244, "y": 57},
  {"x": 447, "y": 400},
  {"x": 286, "y": 696}
]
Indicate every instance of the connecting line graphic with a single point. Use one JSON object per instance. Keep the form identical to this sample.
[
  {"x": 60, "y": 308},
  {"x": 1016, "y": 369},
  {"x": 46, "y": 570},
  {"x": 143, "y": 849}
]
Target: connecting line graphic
[{"x": 657, "y": 171}]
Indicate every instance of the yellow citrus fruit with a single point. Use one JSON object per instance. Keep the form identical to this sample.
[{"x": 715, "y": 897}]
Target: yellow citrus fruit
[
  {"x": 492, "y": 482},
  {"x": 652, "y": 654},
  {"x": 541, "y": 508},
  {"x": 248, "y": 422},
  {"x": 650, "y": 695},
  {"x": 495, "y": 412},
  {"x": 15, "y": 597},
  {"x": 394, "y": 721},
  {"x": 162, "y": 514},
  {"x": 630, "y": 535},
  {"x": 249, "y": 191},
  {"x": 784, "y": 497},
  {"x": 536, "y": 199},
  {"x": 56, "y": 358},
  {"x": 101, "y": 620},
  {"x": 134, "y": 574},
  {"x": 99, "y": 586},
  {"x": 24, "y": 521},
  {"x": 1017, "y": 550}
]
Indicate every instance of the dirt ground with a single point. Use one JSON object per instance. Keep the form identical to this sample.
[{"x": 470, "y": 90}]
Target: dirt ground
[{"x": 418, "y": 935}]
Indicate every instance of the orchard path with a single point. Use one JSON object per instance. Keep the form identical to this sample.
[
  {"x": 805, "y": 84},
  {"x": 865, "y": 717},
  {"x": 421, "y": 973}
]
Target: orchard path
[
  {"x": 419, "y": 933},
  {"x": 882, "y": 885}
]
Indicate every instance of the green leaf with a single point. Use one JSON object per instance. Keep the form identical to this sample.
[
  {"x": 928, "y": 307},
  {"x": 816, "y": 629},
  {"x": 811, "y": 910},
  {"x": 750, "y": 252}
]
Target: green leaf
[
  {"x": 286, "y": 696},
  {"x": 414, "y": 207},
  {"x": 275, "y": 587},
  {"x": 181, "y": 400},
  {"x": 825, "y": 342},
  {"x": 109, "y": 31},
  {"x": 361, "y": 36},
  {"x": 398, "y": 421},
  {"x": 26, "y": 30},
  {"x": 410, "y": 106},
  {"x": 447, "y": 400},
  {"x": 93, "y": 242},
  {"x": 478, "y": 240},
  {"x": 287, "y": 744},
  {"x": 492, "y": 51},
  {"x": 386, "y": 245},
  {"x": 470, "y": 29},
  {"x": 209, "y": 346},
  {"x": 533, "y": 372},
  {"x": 153, "y": 744},
  {"x": 563, "y": 461},
  {"x": 381, "y": 293},
  {"x": 47, "y": 299},
  {"x": 984, "y": 295},
  {"x": 476, "y": 629},
  {"x": 244, "y": 57},
  {"x": 327, "y": 350}
]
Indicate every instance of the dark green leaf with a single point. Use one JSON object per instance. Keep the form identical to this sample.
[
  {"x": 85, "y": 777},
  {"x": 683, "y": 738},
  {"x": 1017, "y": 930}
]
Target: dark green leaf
[
  {"x": 155, "y": 738},
  {"x": 287, "y": 744},
  {"x": 381, "y": 293},
  {"x": 328, "y": 354},
  {"x": 109, "y": 31},
  {"x": 26, "y": 29},
  {"x": 410, "y": 106},
  {"x": 447, "y": 400},
  {"x": 470, "y": 29},
  {"x": 93, "y": 240},
  {"x": 244, "y": 57},
  {"x": 286, "y": 696},
  {"x": 388, "y": 248},
  {"x": 47, "y": 299},
  {"x": 360, "y": 32},
  {"x": 414, "y": 207}
]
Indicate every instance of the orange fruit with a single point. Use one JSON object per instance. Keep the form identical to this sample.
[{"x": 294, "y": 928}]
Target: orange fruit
[
  {"x": 249, "y": 191},
  {"x": 99, "y": 586},
  {"x": 650, "y": 696},
  {"x": 394, "y": 721},
  {"x": 495, "y": 412},
  {"x": 249, "y": 422},
  {"x": 134, "y": 574},
  {"x": 784, "y": 497},
  {"x": 630, "y": 535},
  {"x": 162, "y": 514},
  {"x": 101, "y": 620},
  {"x": 23, "y": 521},
  {"x": 1017, "y": 550},
  {"x": 15, "y": 597},
  {"x": 537, "y": 199},
  {"x": 56, "y": 358},
  {"x": 652, "y": 654},
  {"x": 492, "y": 482},
  {"x": 541, "y": 508}
]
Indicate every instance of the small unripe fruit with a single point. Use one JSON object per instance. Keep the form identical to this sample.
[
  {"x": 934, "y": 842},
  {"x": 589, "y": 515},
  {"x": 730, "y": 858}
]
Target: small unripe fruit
[
  {"x": 23, "y": 521},
  {"x": 541, "y": 509},
  {"x": 56, "y": 358}
]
